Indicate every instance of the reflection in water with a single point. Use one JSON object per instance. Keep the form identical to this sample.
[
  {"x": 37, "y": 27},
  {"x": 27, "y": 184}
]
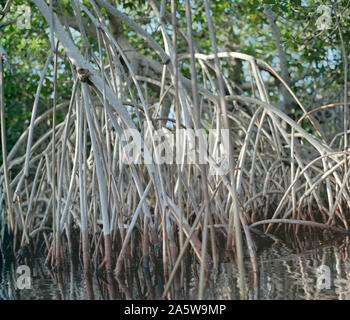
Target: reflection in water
[
  {"x": 286, "y": 275},
  {"x": 286, "y": 272}
]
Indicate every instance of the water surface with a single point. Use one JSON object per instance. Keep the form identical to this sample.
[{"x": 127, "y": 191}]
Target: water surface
[{"x": 287, "y": 272}]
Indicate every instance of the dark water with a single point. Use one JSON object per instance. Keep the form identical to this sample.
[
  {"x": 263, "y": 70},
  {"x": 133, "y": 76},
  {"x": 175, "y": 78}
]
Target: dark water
[{"x": 286, "y": 272}]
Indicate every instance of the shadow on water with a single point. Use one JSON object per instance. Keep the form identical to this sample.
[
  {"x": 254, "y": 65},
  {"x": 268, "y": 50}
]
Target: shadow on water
[{"x": 301, "y": 270}]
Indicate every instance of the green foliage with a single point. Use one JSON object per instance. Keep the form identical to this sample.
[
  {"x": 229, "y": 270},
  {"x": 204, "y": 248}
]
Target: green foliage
[
  {"x": 314, "y": 56},
  {"x": 28, "y": 50}
]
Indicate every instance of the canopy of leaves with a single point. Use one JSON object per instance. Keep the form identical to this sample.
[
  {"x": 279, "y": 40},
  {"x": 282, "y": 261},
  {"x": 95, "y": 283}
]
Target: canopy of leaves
[{"x": 314, "y": 54}]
